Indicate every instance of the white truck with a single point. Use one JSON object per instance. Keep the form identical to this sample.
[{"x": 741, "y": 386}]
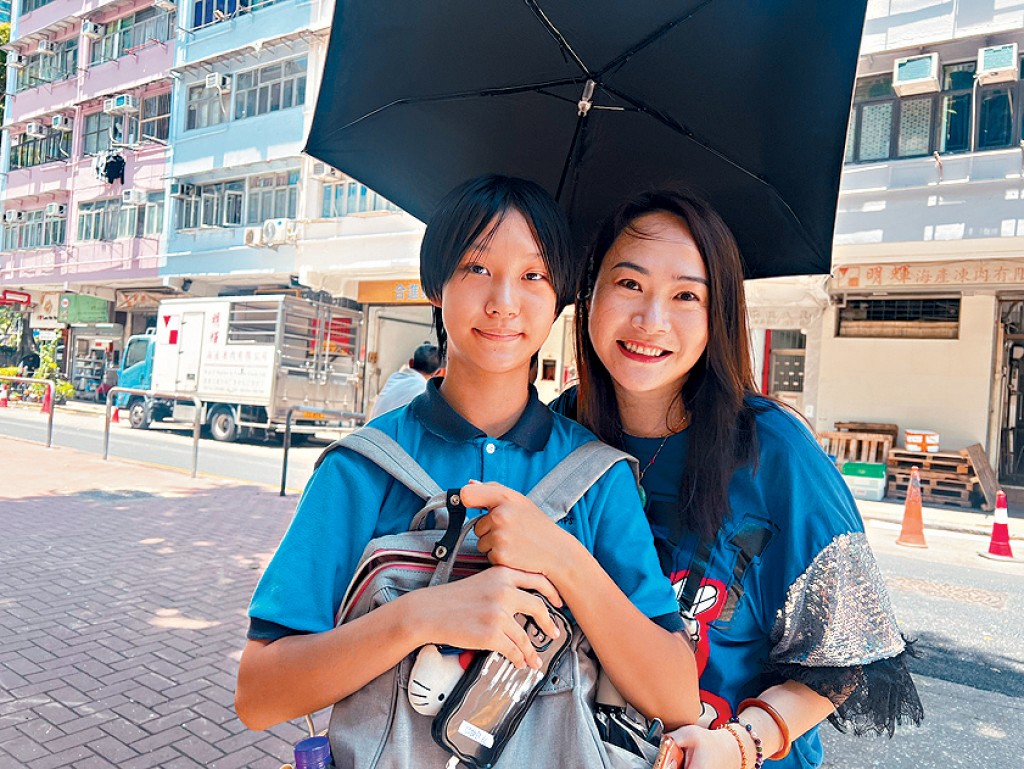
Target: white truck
[{"x": 249, "y": 359}]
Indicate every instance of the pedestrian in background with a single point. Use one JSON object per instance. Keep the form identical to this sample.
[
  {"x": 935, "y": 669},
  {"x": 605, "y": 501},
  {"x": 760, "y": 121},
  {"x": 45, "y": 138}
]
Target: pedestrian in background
[
  {"x": 776, "y": 582},
  {"x": 408, "y": 382}
]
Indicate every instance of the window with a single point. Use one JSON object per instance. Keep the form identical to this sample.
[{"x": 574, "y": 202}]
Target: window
[
  {"x": 346, "y": 198},
  {"x": 273, "y": 196},
  {"x": 99, "y": 220},
  {"x": 955, "y": 127},
  {"x": 206, "y": 12},
  {"x": 44, "y": 68},
  {"x": 132, "y": 32},
  {"x": 34, "y": 152},
  {"x": 214, "y": 205},
  {"x": 270, "y": 88},
  {"x": 30, "y": 5},
  {"x": 206, "y": 107},
  {"x": 102, "y": 131},
  {"x": 156, "y": 117},
  {"x": 96, "y": 130},
  {"x": 935, "y": 318},
  {"x": 154, "y": 215},
  {"x": 35, "y": 230},
  {"x": 136, "y": 352},
  {"x": 884, "y": 126}
]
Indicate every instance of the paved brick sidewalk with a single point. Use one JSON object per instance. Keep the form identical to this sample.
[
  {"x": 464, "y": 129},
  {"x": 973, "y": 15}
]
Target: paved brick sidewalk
[{"x": 123, "y": 590}]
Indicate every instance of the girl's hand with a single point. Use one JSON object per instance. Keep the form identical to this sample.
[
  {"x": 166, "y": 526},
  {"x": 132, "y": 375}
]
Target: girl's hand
[
  {"x": 515, "y": 532},
  {"x": 710, "y": 748},
  {"x": 479, "y": 612}
]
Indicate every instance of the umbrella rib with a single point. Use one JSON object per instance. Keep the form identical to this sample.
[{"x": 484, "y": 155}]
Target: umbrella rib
[
  {"x": 499, "y": 91},
  {"x": 622, "y": 58},
  {"x": 558, "y": 37},
  {"x": 674, "y": 125}
]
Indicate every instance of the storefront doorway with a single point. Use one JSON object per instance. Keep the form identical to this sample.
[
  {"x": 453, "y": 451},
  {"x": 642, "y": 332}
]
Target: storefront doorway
[{"x": 1011, "y": 433}]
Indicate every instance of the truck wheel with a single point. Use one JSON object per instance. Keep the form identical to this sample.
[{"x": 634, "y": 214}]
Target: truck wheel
[
  {"x": 138, "y": 415},
  {"x": 223, "y": 426}
]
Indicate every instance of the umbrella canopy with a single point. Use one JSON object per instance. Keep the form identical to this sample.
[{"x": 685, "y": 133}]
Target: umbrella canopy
[{"x": 744, "y": 102}]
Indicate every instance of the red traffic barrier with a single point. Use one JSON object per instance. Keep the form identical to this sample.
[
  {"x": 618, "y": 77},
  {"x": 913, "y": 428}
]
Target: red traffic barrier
[{"x": 999, "y": 542}]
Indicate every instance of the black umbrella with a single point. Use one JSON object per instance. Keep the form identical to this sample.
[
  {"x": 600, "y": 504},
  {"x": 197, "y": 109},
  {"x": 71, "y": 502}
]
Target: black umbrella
[{"x": 744, "y": 102}]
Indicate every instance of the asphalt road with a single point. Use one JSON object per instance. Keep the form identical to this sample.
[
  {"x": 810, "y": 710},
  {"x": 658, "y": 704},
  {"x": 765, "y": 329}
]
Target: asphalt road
[
  {"x": 967, "y": 614},
  {"x": 249, "y": 460}
]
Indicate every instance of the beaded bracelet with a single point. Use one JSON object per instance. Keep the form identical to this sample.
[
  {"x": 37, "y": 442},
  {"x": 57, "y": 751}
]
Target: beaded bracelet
[
  {"x": 753, "y": 735},
  {"x": 780, "y": 722},
  {"x": 739, "y": 744}
]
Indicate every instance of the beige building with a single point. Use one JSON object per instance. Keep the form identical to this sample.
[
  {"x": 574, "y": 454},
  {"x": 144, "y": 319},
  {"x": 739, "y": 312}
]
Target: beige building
[{"x": 923, "y": 318}]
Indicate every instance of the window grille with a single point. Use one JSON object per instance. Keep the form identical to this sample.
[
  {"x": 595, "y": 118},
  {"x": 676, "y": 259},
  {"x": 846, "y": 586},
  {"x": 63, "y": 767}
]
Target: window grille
[{"x": 925, "y": 318}]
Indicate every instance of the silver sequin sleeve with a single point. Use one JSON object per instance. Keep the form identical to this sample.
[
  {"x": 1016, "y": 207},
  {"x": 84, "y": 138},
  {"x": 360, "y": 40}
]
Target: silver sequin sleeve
[{"x": 837, "y": 613}]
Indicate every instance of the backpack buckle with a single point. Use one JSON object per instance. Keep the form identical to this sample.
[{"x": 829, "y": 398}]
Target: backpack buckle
[{"x": 456, "y": 518}]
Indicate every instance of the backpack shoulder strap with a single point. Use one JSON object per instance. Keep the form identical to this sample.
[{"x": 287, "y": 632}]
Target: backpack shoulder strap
[
  {"x": 384, "y": 451},
  {"x": 567, "y": 482}
]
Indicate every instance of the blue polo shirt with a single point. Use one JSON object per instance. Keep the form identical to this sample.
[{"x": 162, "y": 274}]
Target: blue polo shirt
[{"x": 349, "y": 501}]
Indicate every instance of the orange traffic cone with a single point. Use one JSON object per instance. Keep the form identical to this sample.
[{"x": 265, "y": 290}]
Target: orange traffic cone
[
  {"x": 115, "y": 415},
  {"x": 999, "y": 544},
  {"x": 912, "y": 534},
  {"x": 3, "y": 396},
  {"x": 47, "y": 406}
]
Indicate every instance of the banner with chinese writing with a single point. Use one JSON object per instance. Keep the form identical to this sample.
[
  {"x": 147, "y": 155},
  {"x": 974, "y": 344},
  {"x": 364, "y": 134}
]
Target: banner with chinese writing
[{"x": 929, "y": 275}]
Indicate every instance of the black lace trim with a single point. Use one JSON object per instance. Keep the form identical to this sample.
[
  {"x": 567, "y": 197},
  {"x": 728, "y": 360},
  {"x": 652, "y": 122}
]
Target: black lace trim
[{"x": 870, "y": 698}]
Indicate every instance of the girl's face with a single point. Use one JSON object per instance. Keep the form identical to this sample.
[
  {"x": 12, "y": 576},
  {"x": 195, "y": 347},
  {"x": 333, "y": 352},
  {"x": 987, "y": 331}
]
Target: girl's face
[
  {"x": 649, "y": 309},
  {"x": 499, "y": 305}
]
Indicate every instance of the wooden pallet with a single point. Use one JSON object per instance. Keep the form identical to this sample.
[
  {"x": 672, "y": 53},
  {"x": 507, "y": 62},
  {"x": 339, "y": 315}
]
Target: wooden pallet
[
  {"x": 932, "y": 461},
  {"x": 952, "y": 471},
  {"x": 934, "y": 496},
  {"x": 879, "y": 428},
  {"x": 856, "y": 447}
]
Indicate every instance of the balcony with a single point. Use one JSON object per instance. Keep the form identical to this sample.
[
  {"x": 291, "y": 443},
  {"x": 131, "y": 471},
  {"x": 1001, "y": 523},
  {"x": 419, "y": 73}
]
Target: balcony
[
  {"x": 93, "y": 260},
  {"x": 144, "y": 64}
]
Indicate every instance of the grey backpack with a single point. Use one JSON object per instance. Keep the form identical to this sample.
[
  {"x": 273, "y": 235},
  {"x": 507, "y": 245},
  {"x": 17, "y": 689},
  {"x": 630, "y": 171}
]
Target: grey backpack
[{"x": 376, "y": 727}]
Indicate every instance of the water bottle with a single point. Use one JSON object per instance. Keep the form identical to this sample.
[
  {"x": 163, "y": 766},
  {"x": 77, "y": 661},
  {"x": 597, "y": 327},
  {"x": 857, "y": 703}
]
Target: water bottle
[{"x": 313, "y": 753}]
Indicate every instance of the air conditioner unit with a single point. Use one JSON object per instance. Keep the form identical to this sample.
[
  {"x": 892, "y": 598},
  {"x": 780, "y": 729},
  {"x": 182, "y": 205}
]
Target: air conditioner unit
[
  {"x": 47, "y": 47},
  {"x": 122, "y": 104},
  {"x": 219, "y": 81},
  {"x": 36, "y": 130},
  {"x": 998, "y": 64},
  {"x": 277, "y": 232},
  {"x": 326, "y": 173},
  {"x": 133, "y": 197},
  {"x": 56, "y": 210},
  {"x": 13, "y": 216},
  {"x": 17, "y": 60},
  {"x": 60, "y": 123},
  {"x": 182, "y": 190},
  {"x": 92, "y": 30},
  {"x": 165, "y": 5},
  {"x": 916, "y": 74},
  {"x": 254, "y": 236}
]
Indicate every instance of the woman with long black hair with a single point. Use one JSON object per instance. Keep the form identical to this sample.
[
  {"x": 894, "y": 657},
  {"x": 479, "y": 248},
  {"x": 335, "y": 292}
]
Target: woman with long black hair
[{"x": 776, "y": 582}]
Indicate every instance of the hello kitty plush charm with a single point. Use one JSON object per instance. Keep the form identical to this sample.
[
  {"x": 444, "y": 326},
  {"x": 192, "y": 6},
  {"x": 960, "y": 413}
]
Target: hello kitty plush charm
[{"x": 433, "y": 678}]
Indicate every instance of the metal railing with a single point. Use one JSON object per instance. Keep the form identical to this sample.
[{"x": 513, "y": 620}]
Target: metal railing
[
  {"x": 287, "y": 443},
  {"x": 53, "y": 393},
  {"x": 149, "y": 395}
]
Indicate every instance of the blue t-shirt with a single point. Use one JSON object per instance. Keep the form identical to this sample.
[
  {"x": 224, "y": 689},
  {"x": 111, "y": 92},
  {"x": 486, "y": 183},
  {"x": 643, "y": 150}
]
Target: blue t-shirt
[
  {"x": 788, "y": 589},
  {"x": 350, "y": 500}
]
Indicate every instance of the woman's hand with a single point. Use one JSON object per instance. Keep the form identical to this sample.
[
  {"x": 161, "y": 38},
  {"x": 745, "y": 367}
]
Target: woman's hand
[
  {"x": 479, "y": 612},
  {"x": 515, "y": 533},
  {"x": 711, "y": 748}
]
